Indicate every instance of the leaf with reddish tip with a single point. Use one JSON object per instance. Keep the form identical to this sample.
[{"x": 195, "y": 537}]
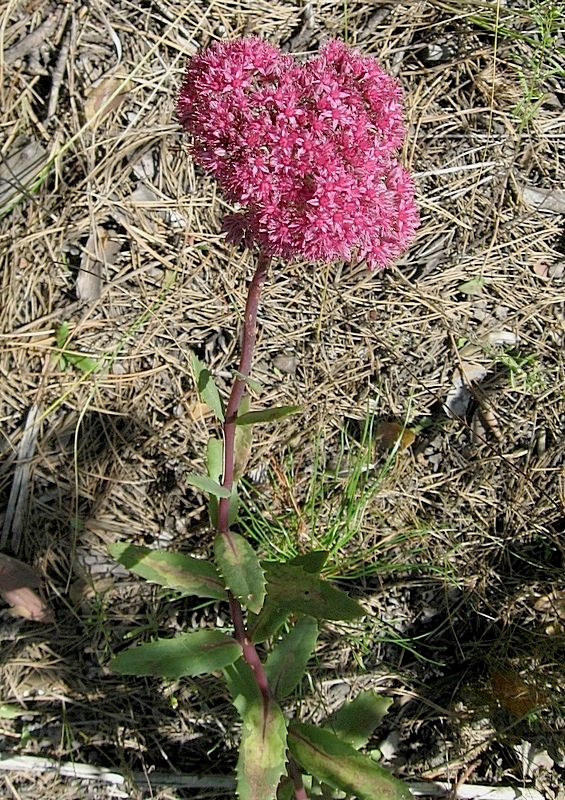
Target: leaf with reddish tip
[
  {"x": 262, "y": 752},
  {"x": 193, "y": 653},
  {"x": 327, "y": 758},
  {"x": 171, "y": 570},
  {"x": 240, "y": 568}
]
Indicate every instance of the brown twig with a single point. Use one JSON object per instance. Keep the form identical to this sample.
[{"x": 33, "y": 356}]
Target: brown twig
[
  {"x": 58, "y": 75},
  {"x": 33, "y": 40}
]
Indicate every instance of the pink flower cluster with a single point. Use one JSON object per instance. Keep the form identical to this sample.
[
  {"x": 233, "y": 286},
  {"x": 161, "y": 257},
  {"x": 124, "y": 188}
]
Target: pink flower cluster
[{"x": 307, "y": 150}]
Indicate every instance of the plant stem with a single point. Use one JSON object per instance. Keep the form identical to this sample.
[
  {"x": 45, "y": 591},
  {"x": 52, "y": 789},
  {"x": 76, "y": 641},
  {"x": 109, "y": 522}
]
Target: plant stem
[
  {"x": 296, "y": 777},
  {"x": 238, "y": 388},
  {"x": 250, "y": 653}
]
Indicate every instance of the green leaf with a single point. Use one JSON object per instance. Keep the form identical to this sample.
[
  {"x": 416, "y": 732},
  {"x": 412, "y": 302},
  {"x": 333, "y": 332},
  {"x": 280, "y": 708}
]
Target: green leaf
[
  {"x": 473, "y": 286},
  {"x": 292, "y": 589},
  {"x": 241, "y": 570},
  {"x": 253, "y": 384},
  {"x": 262, "y": 752},
  {"x": 172, "y": 570},
  {"x": 207, "y": 485},
  {"x": 285, "y": 790},
  {"x": 336, "y": 763},
  {"x": 215, "y": 459},
  {"x": 11, "y": 711},
  {"x": 286, "y": 663},
  {"x": 243, "y": 441},
  {"x": 207, "y": 389},
  {"x": 215, "y": 466},
  {"x": 192, "y": 653},
  {"x": 266, "y": 623},
  {"x": 61, "y": 334},
  {"x": 84, "y": 363},
  {"x": 266, "y": 415},
  {"x": 213, "y": 511},
  {"x": 241, "y": 684},
  {"x": 234, "y": 504},
  {"x": 356, "y": 721},
  {"x": 313, "y": 562}
]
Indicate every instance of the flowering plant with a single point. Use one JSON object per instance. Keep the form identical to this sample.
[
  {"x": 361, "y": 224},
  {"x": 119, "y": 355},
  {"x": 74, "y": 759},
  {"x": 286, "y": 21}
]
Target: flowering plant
[
  {"x": 308, "y": 150},
  {"x": 309, "y": 153}
]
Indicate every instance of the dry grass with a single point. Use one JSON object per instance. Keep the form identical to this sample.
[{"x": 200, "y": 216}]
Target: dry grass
[{"x": 475, "y": 508}]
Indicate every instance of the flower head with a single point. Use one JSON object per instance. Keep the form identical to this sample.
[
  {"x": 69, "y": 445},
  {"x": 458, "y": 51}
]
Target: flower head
[{"x": 307, "y": 150}]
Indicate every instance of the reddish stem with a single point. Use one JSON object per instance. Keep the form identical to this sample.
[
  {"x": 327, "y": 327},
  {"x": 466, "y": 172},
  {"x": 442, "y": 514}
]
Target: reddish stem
[
  {"x": 296, "y": 777},
  {"x": 250, "y": 654},
  {"x": 238, "y": 390}
]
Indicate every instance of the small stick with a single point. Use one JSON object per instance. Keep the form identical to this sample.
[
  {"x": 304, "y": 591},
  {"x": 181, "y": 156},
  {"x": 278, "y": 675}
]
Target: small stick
[
  {"x": 33, "y": 40},
  {"x": 19, "y": 493},
  {"x": 58, "y": 75}
]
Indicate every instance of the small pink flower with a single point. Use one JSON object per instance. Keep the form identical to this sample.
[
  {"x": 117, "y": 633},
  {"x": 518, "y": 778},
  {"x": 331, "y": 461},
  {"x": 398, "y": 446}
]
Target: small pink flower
[{"x": 308, "y": 150}]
